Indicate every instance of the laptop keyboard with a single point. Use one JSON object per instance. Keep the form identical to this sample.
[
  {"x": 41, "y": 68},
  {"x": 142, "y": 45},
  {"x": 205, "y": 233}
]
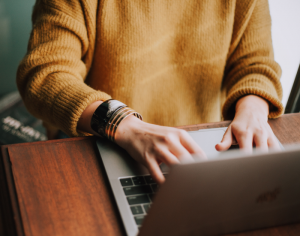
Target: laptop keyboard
[{"x": 139, "y": 192}]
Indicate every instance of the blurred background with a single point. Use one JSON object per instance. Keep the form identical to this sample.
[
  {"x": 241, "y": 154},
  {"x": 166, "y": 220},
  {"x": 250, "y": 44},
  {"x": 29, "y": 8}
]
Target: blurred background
[{"x": 15, "y": 26}]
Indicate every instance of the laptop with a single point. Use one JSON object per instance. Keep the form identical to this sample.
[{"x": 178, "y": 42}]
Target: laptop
[{"x": 227, "y": 193}]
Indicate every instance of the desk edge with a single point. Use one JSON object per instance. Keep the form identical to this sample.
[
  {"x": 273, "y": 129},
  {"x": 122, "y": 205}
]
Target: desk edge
[{"x": 14, "y": 220}]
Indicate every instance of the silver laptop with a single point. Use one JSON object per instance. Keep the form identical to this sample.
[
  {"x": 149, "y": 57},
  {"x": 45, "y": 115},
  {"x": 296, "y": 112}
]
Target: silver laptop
[{"x": 227, "y": 193}]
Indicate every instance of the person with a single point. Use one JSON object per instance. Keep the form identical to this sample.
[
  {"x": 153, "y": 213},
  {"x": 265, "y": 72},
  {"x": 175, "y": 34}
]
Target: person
[{"x": 174, "y": 62}]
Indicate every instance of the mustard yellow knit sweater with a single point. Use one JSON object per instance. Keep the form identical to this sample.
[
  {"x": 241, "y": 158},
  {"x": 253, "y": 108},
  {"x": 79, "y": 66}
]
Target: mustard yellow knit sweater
[{"x": 177, "y": 62}]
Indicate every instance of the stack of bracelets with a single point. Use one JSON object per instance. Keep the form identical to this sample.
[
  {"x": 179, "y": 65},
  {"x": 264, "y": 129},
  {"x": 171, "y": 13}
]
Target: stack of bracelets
[{"x": 108, "y": 116}]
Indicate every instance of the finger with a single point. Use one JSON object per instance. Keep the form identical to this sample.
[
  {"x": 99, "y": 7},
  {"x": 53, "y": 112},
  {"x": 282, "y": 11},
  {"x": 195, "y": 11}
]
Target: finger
[
  {"x": 191, "y": 146},
  {"x": 155, "y": 171},
  {"x": 244, "y": 139},
  {"x": 273, "y": 143},
  {"x": 272, "y": 140},
  {"x": 226, "y": 141},
  {"x": 181, "y": 153},
  {"x": 261, "y": 141},
  {"x": 167, "y": 157}
]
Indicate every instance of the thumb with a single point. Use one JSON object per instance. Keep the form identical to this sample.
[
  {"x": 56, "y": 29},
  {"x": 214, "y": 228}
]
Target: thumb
[{"x": 226, "y": 141}]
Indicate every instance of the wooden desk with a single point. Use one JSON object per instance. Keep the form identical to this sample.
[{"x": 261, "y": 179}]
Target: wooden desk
[{"x": 58, "y": 187}]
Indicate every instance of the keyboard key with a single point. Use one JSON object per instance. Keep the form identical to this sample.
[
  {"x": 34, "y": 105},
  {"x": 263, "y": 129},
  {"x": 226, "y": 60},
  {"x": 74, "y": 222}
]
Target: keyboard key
[
  {"x": 149, "y": 179},
  {"x": 144, "y": 189},
  {"x": 139, "y": 219},
  {"x": 126, "y": 182},
  {"x": 139, "y": 180},
  {"x": 146, "y": 207},
  {"x": 140, "y": 199},
  {"x": 154, "y": 187},
  {"x": 151, "y": 196},
  {"x": 136, "y": 210}
]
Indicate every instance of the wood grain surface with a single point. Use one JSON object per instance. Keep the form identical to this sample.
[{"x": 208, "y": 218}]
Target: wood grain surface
[
  {"x": 61, "y": 188},
  {"x": 7, "y": 224}
]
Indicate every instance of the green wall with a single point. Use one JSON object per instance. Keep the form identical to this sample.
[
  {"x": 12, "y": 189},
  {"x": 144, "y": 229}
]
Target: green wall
[{"x": 15, "y": 26}]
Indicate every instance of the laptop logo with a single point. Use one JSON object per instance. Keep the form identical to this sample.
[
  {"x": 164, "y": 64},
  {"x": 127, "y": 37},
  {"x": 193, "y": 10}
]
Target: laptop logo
[{"x": 269, "y": 196}]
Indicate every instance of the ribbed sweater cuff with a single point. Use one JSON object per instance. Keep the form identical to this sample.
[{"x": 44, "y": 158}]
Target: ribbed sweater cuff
[
  {"x": 70, "y": 104},
  {"x": 256, "y": 85}
]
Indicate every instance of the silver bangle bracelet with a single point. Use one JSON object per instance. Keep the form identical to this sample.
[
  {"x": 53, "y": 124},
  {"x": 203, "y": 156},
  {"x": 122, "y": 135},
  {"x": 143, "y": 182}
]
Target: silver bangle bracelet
[{"x": 108, "y": 116}]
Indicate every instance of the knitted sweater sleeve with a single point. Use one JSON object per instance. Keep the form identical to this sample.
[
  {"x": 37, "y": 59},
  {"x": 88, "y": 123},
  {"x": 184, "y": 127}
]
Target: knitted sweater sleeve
[
  {"x": 51, "y": 76},
  {"x": 250, "y": 67}
]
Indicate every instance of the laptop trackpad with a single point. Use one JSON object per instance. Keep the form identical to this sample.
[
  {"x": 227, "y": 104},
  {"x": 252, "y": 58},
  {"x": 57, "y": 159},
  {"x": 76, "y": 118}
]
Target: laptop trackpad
[{"x": 207, "y": 140}]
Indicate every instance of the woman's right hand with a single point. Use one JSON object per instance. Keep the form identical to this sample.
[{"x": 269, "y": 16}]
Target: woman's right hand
[
  {"x": 148, "y": 144},
  {"x": 152, "y": 145}
]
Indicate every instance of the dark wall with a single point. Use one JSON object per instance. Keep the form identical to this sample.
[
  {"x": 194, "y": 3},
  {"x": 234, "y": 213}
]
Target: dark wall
[{"x": 15, "y": 26}]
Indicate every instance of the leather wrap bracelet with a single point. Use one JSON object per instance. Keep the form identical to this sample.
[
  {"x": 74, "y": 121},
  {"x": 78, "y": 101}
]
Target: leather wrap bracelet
[{"x": 108, "y": 117}]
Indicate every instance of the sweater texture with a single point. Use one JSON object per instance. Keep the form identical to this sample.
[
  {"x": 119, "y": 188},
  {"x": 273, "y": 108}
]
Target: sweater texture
[{"x": 175, "y": 62}]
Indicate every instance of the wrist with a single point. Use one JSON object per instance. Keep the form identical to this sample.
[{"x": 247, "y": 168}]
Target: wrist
[
  {"x": 127, "y": 129},
  {"x": 252, "y": 103},
  {"x": 84, "y": 122},
  {"x": 107, "y": 118}
]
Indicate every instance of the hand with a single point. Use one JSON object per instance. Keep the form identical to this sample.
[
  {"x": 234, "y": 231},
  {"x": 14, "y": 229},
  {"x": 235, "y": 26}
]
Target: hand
[
  {"x": 148, "y": 144},
  {"x": 250, "y": 126},
  {"x": 152, "y": 144}
]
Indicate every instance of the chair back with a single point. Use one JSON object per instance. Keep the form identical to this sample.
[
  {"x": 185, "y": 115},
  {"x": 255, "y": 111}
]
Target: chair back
[{"x": 293, "y": 104}]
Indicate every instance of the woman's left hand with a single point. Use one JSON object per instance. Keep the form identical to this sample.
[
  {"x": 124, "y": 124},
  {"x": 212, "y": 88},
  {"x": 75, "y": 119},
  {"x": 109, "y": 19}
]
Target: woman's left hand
[{"x": 250, "y": 126}]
